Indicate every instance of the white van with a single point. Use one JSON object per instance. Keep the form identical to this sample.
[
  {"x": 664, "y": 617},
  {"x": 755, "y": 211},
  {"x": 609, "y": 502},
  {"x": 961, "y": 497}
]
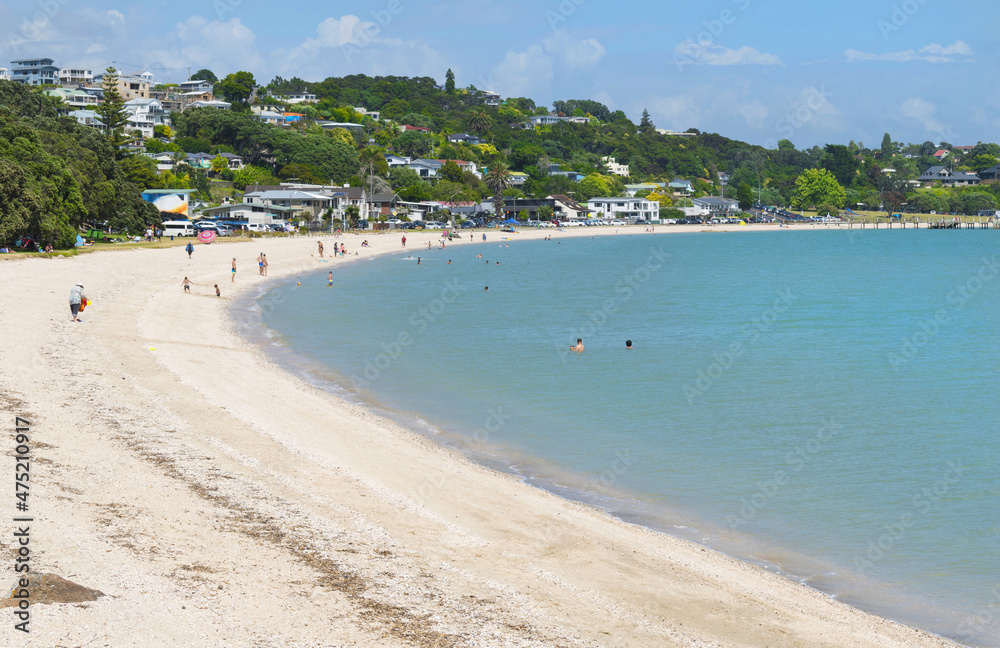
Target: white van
[{"x": 178, "y": 228}]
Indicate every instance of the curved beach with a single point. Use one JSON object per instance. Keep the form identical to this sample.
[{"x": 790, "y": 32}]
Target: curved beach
[{"x": 218, "y": 500}]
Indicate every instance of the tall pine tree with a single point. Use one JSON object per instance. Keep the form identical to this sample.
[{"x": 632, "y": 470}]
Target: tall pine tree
[
  {"x": 646, "y": 123},
  {"x": 112, "y": 113},
  {"x": 449, "y": 82}
]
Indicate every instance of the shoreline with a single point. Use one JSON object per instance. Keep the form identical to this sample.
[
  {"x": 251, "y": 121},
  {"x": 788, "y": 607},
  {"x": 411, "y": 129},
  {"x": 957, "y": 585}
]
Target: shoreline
[{"x": 248, "y": 498}]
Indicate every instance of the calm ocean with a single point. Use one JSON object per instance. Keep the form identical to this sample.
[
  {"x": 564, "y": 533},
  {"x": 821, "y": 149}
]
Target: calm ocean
[{"x": 824, "y": 403}]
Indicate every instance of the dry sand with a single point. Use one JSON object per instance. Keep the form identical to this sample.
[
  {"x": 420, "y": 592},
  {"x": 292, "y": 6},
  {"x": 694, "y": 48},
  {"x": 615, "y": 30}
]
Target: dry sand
[{"x": 217, "y": 500}]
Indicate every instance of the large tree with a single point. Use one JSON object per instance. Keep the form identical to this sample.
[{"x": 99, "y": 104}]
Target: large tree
[
  {"x": 498, "y": 180},
  {"x": 449, "y": 82},
  {"x": 237, "y": 87},
  {"x": 112, "y": 113},
  {"x": 205, "y": 75},
  {"x": 818, "y": 186}
]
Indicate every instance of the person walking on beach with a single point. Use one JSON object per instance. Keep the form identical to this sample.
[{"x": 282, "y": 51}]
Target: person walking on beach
[
  {"x": 76, "y": 298},
  {"x": 260, "y": 264},
  {"x": 579, "y": 346},
  {"x": 218, "y": 293},
  {"x": 234, "y": 270},
  {"x": 343, "y": 249},
  {"x": 187, "y": 285},
  {"x": 265, "y": 263},
  {"x": 404, "y": 240},
  {"x": 189, "y": 249},
  {"x": 319, "y": 244}
]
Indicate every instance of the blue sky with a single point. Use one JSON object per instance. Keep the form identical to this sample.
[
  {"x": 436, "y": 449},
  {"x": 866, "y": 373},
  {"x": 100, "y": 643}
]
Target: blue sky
[{"x": 755, "y": 70}]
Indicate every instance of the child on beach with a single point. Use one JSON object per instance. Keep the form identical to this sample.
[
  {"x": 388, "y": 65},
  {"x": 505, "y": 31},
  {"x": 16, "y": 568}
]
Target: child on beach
[
  {"x": 187, "y": 285},
  {"x": 218, "y": 293}
]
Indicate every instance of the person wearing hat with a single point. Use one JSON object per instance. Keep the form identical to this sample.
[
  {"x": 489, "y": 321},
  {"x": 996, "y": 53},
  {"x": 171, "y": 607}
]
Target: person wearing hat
[{"x": 76, "y": 298}]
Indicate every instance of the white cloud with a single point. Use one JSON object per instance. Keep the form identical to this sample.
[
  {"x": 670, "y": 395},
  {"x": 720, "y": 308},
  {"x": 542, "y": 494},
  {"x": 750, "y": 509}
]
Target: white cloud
[
  {"x": 708, "y": 53},
  {"x": 96, "y": 48},
  {"x": 933, "y": 53},
  {"x": 223, "y": 47},
  {"x": 923, "y": 111},
  {"x": 530, "y": 71},
  {"x": 116, "y": 16},
  {"x": 754, "y": 112}
]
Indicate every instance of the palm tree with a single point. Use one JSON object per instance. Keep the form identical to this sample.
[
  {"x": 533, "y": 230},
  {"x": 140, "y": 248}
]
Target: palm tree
[
  {"x": 480, "y": 122},
  {"x": 498, "y": 179},
  {"x": 371, "y": 160}
]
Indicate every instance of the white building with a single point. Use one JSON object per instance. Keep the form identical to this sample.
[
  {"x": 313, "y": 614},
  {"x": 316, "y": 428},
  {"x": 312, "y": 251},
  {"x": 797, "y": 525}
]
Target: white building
[
  {"x": 301, "y": 97},
  {"x": 611, "y": 164},
  {"x": 195, "y": 86},
  {"x": 625, "y": 208},
  {"x": 145, "y": 115},
  {"x": 4, "y": 74},
  {"x": 220, "y": 105},
  {"x": 76, "y": 77}
]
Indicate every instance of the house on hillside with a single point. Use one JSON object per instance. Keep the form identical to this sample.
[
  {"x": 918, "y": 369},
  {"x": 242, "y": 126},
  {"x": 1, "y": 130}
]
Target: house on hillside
[
  {"x": 611, "y": 164},
  {"x": 4, "y": 74},
  {"x": 144, "y": 115},
  {"x": 419, "y": 129},
  {"x": 348, "y": 126},
  {"x": 269, "y": 117},
  {"x": 681, "y": 187},
  {"x": 197, "y": 85},
  {"x": 464, "y": 138},
  {"x": 364, "y": 112},
  {"x": 218, "y": 105},
  {"x": 40, "y": 71},
  {"x": 74, "y": 99},
  {"x": 941, "y": 154},
  {"x": 87, "y": 118},
  {"x": 990, "y": 174},
  {"x": 517, "y": 178},
  {"x": 301, "y": 97},
  {"x": 948, "y": 177},
  {"x": 632, "y": 189},
  {"x": 556, "y": 170},
  {"x": 76, "y": 77}
]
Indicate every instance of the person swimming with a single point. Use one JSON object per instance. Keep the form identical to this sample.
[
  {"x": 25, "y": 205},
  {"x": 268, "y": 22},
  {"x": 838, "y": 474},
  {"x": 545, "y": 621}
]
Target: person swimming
[
  {"x": 628, "y": 344},
  {"x": 579, "y": 346}
]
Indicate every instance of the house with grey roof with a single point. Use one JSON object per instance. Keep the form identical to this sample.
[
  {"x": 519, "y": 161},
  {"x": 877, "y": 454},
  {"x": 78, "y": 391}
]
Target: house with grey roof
[
  {"x": 989, "y": 174},
  {"x": 947, "y": 177},
  {"x": 715, "y": 205}
]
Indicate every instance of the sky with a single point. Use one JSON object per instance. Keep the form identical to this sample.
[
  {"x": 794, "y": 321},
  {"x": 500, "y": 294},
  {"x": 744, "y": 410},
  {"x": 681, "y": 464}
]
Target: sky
[{"x": 815, "y": 73}]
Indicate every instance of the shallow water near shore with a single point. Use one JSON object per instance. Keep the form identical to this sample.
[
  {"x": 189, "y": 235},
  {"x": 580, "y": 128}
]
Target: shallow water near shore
[{"x": 823, "y": 403}]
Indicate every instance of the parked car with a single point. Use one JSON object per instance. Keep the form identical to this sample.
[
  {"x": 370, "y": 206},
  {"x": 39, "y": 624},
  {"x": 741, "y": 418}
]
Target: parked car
[
  {"x": 618, "y": 223},
  {"x": 641, "y": 221}
]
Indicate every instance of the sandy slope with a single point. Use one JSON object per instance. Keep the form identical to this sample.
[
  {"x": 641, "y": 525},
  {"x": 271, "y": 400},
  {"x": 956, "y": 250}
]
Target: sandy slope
[{"x": 220, "y": 501}]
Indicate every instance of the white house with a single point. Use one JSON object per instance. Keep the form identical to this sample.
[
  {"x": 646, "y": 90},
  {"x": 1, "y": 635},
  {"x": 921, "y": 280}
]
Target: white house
[
  {"x": 76, "y": 76},
  {"x": 219, "y": 105},
  {"x": 301, "y": 97},
  {"x": 716, "y": 206},
  {"x": 298, "y": 201},
  {"x": 4, "y": 74},
  {"x": 374, "y": 114},
  {"x": 145, "y": 115},
  {"x": 611, "y": 164},
  {"x": 625, "y": 208},
  {"x": 86, "y": 117}
]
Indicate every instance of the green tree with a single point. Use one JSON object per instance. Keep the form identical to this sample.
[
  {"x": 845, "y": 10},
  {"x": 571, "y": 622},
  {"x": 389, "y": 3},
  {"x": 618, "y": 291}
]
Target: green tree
[
  {"x": 451, "y": 171},
  {"x": 480, "y": 122},
  {"x": 744, "y": 193},
  {"x": 646, "y": 123},
  {"x": 449, "y": 82},
  {"x": 817, "y": 186},
  {"x": 205, "y": 75},
  {"x": 236, "y": 87},
  {"x": 888, "y": 148},
  {"x": 250, "y": 175},
  {"x": 219, "y": 164},
  {"x": 413, "y": 144},
  {"x": 838, "y": 160},
  {"x": 112, "y": 113},
  {"x": 498, "y": 180}
]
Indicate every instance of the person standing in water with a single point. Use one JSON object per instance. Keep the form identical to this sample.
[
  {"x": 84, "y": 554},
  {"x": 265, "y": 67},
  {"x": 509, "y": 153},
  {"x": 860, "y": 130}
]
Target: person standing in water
[
  {"x": 579, "y": 346},
  {"x": 329, "y": 279},
  {"x": 628, "y": 344}
]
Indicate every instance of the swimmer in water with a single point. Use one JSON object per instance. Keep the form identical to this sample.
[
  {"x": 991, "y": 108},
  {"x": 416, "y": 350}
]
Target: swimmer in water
[
  {"x": 628, "y": 344},
  {"x": 579, "y": 346}
]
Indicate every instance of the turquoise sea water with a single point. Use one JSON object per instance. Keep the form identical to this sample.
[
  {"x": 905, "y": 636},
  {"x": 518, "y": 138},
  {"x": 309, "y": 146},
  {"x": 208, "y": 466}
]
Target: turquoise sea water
[{"x": 821, "y": 402}]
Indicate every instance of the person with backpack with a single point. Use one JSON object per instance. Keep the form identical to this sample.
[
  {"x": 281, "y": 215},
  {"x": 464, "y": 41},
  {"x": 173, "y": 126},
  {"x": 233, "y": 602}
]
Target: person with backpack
[{"x": 189, "y": 249}]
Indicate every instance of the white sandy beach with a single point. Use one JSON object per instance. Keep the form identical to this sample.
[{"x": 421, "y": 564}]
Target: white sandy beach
[{"x": 218, "y": 500}]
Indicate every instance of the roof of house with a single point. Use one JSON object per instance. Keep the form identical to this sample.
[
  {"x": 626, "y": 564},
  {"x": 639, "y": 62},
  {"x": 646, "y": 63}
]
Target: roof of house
[
  {"x": 285, "y": 195},
  {"x": 941, "y": 153},
  {"x": 715, "y": 200}
]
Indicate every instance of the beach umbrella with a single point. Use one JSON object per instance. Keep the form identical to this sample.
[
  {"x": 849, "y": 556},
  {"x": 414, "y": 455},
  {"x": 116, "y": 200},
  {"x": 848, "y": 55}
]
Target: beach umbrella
[{"x": 206, "y": 236}]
